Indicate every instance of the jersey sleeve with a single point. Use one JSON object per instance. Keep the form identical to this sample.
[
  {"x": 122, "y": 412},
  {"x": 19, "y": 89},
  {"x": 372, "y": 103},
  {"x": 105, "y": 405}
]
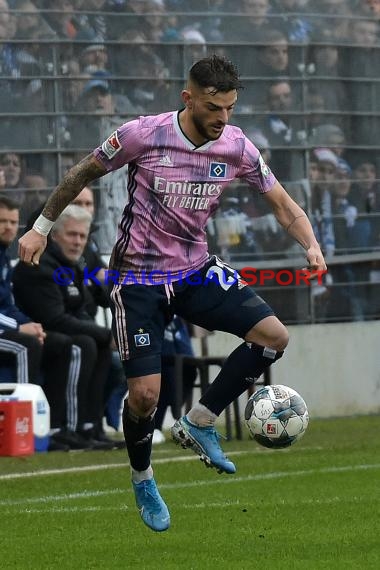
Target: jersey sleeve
[
  {"x": 122, "y": 146},
  {"x": 254, "y": 170}
]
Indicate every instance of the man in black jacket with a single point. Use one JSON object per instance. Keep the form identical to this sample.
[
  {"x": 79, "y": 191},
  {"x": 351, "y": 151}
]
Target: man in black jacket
[
  {"x": 116, "y": 384},
  {"x": 37, "y": 356},
  {"x": 55, "y": 294}
]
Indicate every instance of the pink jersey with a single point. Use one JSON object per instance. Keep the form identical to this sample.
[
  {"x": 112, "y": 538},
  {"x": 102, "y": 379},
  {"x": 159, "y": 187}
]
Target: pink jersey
[{"x": 173, "y": 188}]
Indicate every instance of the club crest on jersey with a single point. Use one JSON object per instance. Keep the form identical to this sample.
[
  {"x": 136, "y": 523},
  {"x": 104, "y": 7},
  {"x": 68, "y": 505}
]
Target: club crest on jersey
[
  {"x": 218, "y": 170},
  {"x": 142, "y": 339},
  {"x": 111, "y": 146}
]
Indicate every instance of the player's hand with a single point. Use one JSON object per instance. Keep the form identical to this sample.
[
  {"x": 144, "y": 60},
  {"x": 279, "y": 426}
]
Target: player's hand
[
  {"x": 316, "y": 261},
  {"x": 31, "y": 247},
  {"x": 34, "y": 329}
]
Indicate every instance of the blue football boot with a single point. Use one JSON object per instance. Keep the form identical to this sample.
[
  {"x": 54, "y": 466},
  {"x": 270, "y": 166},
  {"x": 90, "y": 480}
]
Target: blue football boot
[
  {"x": 205, "y": 442},
  {"x": 152, "y": 508}
]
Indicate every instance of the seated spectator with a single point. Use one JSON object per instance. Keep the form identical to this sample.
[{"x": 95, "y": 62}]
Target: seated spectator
[
  {"x": 329, "y": 136},
  {"x": 365, "y": 195},
  {"x": 86, "y": 133},
  {"x": 92, "y": 255},
  {"x": 327, "y": 60},
  {"x": 16, "y": 182},
  {"x": 344, "y": 212},
  {"x": 94, "y": 58},
  {"x": 91, "y": 25},
  {"x": 194, "y": 45},
  {"x": 315, "y": 105},
  {"x": 61, "y": 22},
  {"x": 30, "y": 22},
  {"x": 271, "y": 60},
  {"x": 9, "y": 66},
  {"x": 346, "y": 298},
  {"x": 12, "y": 183},
  {"x": 20, "y": 73},
  {"x": 332, "y": 17},
  {"x": 364, "y": 32},
  {"x": 151, "y": 95},
  {"x": 362, "y": 60},
  {"x": 98, "y": 97},
  {"x": 294, "y": 20},
  {"x": 273, "y": 55},
  {"x": 283, "y": 128},
  {"x": 71, "y": 87},
  {"x": 150, "y": 61},
  {"x": 321, "y": 210},
  {"x": 252, "y": 20},
  {"x": 209, "y": 24},
  {"x": 34, "y": 53},
  {"x": 59, "y": 301},
  {"x": 12, "y": 164},
  {"x": 116, "y": 386},
  {"x": 367, "y": 8},
  {"x": 37, "y": 355},
  {"x": 324, "y": 60},
  {"x": 36, "y": 193}
]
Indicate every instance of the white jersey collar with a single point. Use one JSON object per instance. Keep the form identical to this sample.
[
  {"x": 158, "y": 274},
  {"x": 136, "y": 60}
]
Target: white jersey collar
[{"x": 185, "y": 140}]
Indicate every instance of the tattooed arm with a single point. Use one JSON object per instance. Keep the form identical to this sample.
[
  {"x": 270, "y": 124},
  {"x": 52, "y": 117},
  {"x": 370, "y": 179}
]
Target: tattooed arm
[
  {"x": 295, "y": 221},
  {"x": 74, "y": 181},
  {"x": 32, "y": 244}
]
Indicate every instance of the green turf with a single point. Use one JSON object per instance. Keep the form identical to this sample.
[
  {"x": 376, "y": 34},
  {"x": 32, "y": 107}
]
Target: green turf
[{"x": 313, "y": 506}]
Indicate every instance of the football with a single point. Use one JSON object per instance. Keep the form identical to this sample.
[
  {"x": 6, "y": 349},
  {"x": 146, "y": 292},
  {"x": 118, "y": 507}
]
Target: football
[{"x": 276, "y": 416}]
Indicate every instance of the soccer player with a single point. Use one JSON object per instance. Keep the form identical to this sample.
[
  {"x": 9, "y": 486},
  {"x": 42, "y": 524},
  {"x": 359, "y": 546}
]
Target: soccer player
[{"x": 179, "y": 163}]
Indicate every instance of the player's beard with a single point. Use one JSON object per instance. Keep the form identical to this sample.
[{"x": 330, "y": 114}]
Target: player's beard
[{"x": 202, "y": 130}]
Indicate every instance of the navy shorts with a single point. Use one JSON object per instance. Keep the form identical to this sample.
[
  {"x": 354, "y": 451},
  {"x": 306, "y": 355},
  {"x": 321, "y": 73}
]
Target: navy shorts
[{"x": 213, "y": 297}]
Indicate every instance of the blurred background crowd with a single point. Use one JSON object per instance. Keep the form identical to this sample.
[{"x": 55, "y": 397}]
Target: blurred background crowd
[{"x": 71, "y": 72}]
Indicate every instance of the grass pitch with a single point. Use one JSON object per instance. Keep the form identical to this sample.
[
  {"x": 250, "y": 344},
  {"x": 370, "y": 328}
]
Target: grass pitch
[{"x": 313, "y": 506}]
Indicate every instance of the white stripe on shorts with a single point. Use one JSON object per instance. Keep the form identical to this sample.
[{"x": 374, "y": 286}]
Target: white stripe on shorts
[
  {"x": 120, "y": 322},
  {"x": 21, "y": 353}
]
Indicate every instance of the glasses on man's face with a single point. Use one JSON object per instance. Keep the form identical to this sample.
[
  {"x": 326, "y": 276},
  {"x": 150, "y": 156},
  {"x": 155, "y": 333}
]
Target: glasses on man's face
[{"x": 10, "y": 162}]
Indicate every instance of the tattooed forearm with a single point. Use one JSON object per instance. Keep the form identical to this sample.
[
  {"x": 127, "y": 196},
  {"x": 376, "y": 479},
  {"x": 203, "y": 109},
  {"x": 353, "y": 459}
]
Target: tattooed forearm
[{"x": 74, "y": 181}]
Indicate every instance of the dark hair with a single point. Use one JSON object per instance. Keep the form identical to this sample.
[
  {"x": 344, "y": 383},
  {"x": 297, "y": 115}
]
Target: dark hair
[
  {"x": 8, "y": 203},
  {"x": 215, "y": 71}
]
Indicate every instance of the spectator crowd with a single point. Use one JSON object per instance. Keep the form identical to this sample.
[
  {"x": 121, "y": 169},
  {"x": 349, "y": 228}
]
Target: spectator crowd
[{"x": 72, "y": 73}]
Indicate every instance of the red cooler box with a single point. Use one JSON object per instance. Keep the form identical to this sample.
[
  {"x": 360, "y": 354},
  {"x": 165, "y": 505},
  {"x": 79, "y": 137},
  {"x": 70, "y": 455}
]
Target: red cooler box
[{"x": 16, "y": 428}]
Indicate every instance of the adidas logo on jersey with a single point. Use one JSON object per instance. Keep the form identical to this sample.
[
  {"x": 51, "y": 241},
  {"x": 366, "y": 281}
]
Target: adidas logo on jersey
[{"x": 165, "y": 161}]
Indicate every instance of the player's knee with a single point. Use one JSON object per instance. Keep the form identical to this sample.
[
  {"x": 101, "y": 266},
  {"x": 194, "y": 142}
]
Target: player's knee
[
  {"x": 143, "y": 399},
  {"x": 275, "y": 335},
  {"x": 143, "y": 383},
  {"x": 281, "y": 339}
]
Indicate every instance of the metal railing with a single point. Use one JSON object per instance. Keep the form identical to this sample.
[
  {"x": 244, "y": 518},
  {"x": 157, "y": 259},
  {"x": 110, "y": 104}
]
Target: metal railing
[{"x": 46, "y": 117}]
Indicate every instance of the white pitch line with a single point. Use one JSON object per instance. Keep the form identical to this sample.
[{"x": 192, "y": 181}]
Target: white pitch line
[
  {"x": 191, "y": 506},
  {"x": 179, "y": 458},
  {"x": 202, "y": 482},
  {"x": 156, "y": 461}
]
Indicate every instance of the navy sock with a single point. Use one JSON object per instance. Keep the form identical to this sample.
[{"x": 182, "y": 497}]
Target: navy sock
[
  {"x": 245, "y": 364},
  {"x": 138, "y": 437}
]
